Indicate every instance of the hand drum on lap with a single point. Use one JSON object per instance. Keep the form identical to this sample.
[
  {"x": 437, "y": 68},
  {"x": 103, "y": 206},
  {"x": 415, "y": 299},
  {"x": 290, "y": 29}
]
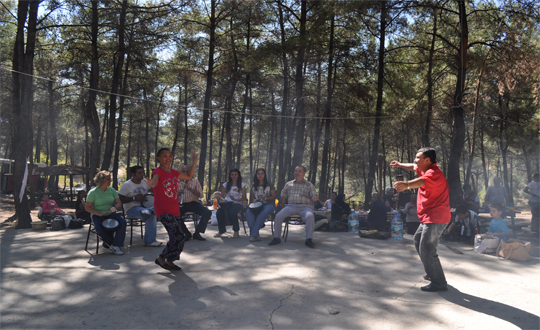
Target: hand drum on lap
[
  {"x": 256, "y": 208},
  {"x": 110, "y": 224},
  {"x": 149, "y": 202}
]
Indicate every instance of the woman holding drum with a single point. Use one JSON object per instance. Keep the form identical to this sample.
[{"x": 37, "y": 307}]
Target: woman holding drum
[
  {"x": 235, "y": 195},
  {"x": 110, "y": 226},
  {"x": 262, "y": 198}
]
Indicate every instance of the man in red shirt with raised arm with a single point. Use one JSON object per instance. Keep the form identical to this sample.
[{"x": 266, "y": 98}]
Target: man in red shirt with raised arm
[{"x": 433, "y": 207}]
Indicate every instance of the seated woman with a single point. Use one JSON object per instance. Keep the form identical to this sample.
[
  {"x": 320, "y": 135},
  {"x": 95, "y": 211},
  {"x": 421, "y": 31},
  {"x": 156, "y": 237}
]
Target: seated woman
[
  {"x": 234, "y": 191},
  {"x": 98, "y": 203},
  {"x": 340, "y": 209},
  {"x": 50, "y": 206},
  {"x": 261, "y": 191},
  {"x": 80, "y": 207}
]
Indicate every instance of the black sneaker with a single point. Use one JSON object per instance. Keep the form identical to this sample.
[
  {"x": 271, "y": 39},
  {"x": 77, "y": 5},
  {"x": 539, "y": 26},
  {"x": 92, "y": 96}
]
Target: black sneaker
[
  {"x": 309, "y": 243},
  {"x": 275, "y": 241},
  {"x": 188, "y": 236},
  {"x": 198, "y": 237}
]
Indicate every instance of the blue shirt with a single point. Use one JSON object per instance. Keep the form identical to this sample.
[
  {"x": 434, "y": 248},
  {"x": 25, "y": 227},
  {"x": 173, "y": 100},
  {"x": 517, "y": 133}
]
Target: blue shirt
[{"x": 498, "y": 226}]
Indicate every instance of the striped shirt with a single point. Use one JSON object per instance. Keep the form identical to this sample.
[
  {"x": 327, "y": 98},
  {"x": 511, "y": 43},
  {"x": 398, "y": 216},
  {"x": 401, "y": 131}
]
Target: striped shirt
[
  {"x": 299, "y": 192},
  {"x": 188, "y": 196}
]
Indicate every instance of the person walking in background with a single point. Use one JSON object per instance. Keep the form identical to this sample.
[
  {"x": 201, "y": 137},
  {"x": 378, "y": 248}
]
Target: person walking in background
[
  {"x": 164, "y": 183},
  {"x": 533, "y": 189},
  {"x": 470, "y": 198},
  {"x": 496, "y": 193},
  {"x": 433, "y": 206},
  {"x": 261, "y": 191}
]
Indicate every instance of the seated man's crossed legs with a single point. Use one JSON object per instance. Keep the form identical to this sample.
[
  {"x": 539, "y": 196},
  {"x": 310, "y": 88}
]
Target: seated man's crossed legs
[
  {"x": 205, "y": 215},
  {"x": 150, "y": 224},
  {"x": 307, "y": 215}
]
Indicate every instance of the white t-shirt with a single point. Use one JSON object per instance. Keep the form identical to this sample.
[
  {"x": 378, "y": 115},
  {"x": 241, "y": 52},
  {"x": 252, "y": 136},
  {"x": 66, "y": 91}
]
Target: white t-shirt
[
  {"x": 130, "y": 189},
  {"x": 234, "y": 192},
  {"x": 534, "y": 187}
]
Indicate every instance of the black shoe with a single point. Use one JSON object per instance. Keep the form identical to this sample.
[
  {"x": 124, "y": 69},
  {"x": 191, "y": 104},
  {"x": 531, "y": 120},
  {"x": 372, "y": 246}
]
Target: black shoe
[
  {"x": 433, "y": 288},
  {"x": 105, "y": 245},
  {"x": 275, "y": 241},
  {"x": 198, "y": 237},
  {"x": 427, "y": 278},
  {"x": 188, "y": 236},
  {"x": 309, "y": 243},
  {"x": 164, "y": 266}
]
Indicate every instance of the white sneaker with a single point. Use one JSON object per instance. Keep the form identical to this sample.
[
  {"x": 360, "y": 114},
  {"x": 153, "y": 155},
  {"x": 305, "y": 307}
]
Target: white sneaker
[
  {"x": 154, "y": 244},
  {"x": 254, "y": 238},
  {"x": 219, "y": 234},
  {"x": 116, "y": 250}
]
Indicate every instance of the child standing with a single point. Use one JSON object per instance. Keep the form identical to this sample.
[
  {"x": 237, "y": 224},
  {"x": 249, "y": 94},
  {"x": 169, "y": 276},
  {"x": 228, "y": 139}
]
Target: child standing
[
  {"x": 497, "y": 226},
  {"x": 164, "y": 183}
]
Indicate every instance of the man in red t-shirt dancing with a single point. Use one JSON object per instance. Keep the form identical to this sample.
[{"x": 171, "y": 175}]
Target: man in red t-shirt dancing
[{"x": 433, "y": 205}]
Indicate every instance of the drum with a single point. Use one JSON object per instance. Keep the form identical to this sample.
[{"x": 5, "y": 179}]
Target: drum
[
  {"x": 149, "y": 201},
  {"x": 256, "y": 208},
  {"x": 110, "y": 224}
]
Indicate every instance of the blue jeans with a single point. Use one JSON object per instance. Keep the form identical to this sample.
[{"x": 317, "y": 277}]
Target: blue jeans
[
  {"x": 256, "y": 223},
  {"x": 107, "y": 236},
  {"x": 426, "y": 240},
  {"x": 150, "y": 225},
  {"x": 233, "y": 218}
]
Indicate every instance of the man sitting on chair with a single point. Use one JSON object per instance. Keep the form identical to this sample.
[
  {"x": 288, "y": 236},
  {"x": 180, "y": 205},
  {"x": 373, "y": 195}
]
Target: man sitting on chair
[
  {"x": 298, "y": 195},
  {"x": 132, "y": 196},
  {"x": 189, "y": 191}
]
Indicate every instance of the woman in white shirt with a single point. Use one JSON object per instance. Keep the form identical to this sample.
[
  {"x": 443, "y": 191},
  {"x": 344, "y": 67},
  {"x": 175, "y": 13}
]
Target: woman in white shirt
[
  {"x": 234, "y": 191},
  {"x": 261, "y": 191}
]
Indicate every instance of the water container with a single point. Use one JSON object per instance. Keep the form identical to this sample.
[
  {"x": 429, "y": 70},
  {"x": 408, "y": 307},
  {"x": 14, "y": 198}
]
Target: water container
[
  {"x": 397, "y": 227},
  {"x": 353, "y": 223}
]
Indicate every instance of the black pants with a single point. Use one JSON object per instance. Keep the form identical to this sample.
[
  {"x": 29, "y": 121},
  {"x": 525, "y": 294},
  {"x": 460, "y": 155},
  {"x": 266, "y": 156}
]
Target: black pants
[{"x": 196, "y": 208}]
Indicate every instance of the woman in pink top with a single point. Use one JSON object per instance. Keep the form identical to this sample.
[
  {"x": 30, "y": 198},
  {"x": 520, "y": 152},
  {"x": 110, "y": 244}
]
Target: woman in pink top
[
  {"x": 50, "y": 206},
  {"x": 164, "y": 183}
]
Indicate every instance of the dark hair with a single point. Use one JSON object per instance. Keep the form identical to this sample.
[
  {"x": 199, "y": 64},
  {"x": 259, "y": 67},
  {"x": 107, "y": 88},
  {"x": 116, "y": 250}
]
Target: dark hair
[
  {"x": 333, "y": 193},
  {"x": 535, "y": 175},
  {"x": 161, "y": 150},
  {"x": 134, "y": 169},
  {"x": 256, "y": 181},
  {"x": 497, "y": 206},
  {"x": 303, "y": 168},
  {"x": 467, "y": 187},
  {"x": 429, "y": 153},
  {"x": 461, "y": 209},
  {"x": 238, "y": 182}
]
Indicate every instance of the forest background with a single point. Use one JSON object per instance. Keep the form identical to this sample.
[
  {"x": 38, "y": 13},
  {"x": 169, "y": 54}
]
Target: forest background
[{"x": 343, "y": 87}]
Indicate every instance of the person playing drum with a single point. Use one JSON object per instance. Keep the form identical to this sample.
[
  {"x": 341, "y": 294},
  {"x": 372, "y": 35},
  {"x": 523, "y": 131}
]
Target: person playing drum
[
  {"x": 164, "y": 182},
  {"x": 263, "y": 193},
  {"x": 98, "y": 203},
  {"x": 132, "y": 194}
]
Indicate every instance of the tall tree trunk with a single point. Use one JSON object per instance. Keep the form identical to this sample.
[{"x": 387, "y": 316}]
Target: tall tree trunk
[
  {"x": 116, "y": 160},
  {"x": 425, "y": 135},
  {"x": 458, "y": 127},
  {"x": 53, "y": 113},
  {"x": 23, "y": 61},
  {"x": 128, "y": 151},
  {"x": 269, "y": 170},
  {"x": 378, "y": 109},
  {"x": 177, "y": 126},
  {"x": 157, "y": 125},
  {"x": 211, "y": 154},
  {"x": 285, "y": 105},
  {"x": 299, "y": 88},
  {"x": 207, "y": 93},
  {"x": 323, "y": 183},
  {"x": 186, "y": 133},
  {"x": 117, "y": 73},
  {"x": 218, "y": 175},
  {"x": 147, "y": 131}
]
